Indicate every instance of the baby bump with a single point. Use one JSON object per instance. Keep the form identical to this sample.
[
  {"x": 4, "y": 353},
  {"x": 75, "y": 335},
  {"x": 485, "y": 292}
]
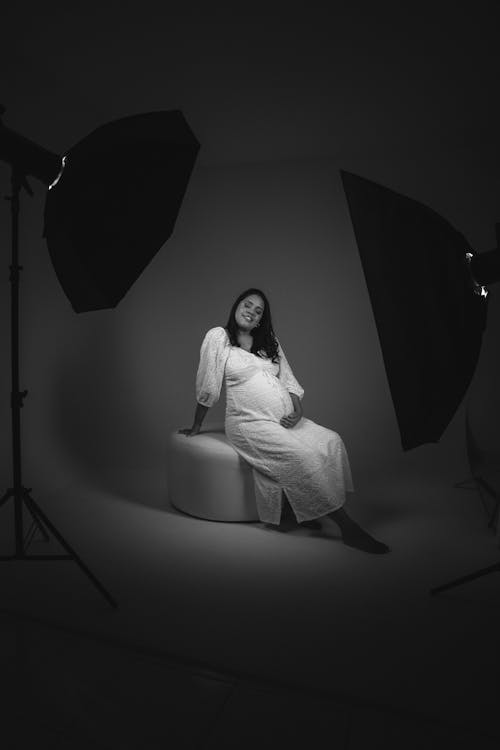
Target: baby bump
[{"x": 260, "y": 397}]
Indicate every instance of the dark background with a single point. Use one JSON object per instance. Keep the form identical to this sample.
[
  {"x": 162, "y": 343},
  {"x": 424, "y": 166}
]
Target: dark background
[{"x": 280, "y": 98}]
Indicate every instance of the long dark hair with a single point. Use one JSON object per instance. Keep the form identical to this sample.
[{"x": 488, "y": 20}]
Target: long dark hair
[{"x": 263, "y": 335}]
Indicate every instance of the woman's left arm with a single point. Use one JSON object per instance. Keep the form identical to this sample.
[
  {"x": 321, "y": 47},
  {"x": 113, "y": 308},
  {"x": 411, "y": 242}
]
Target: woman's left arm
[
  {"x": 294, "y": 388},
  {"x": 297, "y": 403},
  {"x": 291, "y": 419}
]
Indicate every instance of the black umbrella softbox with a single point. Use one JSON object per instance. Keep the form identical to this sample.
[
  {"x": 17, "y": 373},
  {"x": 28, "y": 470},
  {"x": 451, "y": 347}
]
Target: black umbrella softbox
[
  {"x": 428, "y": 311},
  {"x": 116, "y": 204}
]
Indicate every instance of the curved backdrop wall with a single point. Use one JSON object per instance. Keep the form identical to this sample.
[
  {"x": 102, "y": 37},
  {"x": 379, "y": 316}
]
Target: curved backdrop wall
[{"x": 105, "y": 388}]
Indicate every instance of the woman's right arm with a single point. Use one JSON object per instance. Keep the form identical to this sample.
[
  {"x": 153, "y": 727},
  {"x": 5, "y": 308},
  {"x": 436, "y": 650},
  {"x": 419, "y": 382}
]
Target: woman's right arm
[
  {"x": 213, "y": 354},
  {"x": 199, "y": 416}
]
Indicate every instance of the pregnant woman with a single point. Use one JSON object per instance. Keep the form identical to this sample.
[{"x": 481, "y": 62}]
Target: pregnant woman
[{"x": 264, "y": 423}]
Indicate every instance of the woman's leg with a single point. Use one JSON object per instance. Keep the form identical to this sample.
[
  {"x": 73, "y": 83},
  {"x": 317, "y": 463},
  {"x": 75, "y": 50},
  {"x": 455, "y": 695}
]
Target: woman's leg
[
  {"x": 354, "y": 536},
  {"x": 288, "y": 515}
]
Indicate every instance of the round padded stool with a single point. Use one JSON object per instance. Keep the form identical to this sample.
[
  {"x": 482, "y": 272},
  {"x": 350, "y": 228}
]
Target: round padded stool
[{"x": 208, "y": 479}]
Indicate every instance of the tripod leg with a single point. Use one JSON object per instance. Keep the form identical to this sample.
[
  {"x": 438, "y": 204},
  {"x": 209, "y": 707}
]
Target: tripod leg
[
  {"x": 36, "y": 522},
  {"x": 7, "y": 496},
  {"x": 492, "y": 523},
  {"x": 467, "y": 578},
  {"x": 29, "y": 536},
  {"x": 466, "y": 484},
  {"x": 35, "y": 510}
]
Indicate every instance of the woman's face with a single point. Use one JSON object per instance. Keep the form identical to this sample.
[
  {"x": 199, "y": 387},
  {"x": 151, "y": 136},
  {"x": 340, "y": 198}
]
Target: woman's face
[{"x": 249, "y": 312}]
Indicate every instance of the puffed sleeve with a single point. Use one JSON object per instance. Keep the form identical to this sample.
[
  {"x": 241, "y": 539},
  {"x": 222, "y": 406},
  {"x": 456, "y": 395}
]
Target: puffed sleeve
[
  {"x": 213, "y": 355},
  {"x": 286, "y": 375}
]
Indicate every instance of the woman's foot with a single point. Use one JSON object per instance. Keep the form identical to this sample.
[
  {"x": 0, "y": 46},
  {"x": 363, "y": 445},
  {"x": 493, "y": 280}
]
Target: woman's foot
[{"x": 354, "y": 536}]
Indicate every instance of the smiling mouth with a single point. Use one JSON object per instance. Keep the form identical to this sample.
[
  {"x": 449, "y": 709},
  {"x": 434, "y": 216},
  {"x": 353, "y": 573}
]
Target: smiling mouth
[{"x": 248, "y": 318}]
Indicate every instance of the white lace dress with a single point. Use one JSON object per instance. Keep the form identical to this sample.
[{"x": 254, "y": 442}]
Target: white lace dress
[{"x": 308, "y": 462}]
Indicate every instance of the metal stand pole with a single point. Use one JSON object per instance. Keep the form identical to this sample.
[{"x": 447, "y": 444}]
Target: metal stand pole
[
  {"x": 465, "y": 579},
  {"x": 20, "y": 494},
  {"x": 477, "y": 482}
]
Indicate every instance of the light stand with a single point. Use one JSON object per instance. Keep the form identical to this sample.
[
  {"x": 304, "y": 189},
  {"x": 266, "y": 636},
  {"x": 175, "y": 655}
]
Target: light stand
[
  {"x": 481, "y": 485},
  {"x": 473, "y": 452},
  {"x": 101, "y": 234},
  {"x": 20, "y": 494}
]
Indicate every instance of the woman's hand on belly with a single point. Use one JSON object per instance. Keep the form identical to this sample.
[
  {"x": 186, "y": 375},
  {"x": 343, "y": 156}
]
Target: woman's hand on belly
[{"x": 290, "y": 420}]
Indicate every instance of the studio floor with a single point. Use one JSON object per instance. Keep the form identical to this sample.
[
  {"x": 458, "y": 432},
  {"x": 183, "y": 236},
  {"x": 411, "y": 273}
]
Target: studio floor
[{"x": 243, "y": 636}]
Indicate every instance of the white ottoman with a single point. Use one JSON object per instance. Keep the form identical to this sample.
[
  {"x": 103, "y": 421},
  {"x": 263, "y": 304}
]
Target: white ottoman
[{"x": 208, "y": 479}]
